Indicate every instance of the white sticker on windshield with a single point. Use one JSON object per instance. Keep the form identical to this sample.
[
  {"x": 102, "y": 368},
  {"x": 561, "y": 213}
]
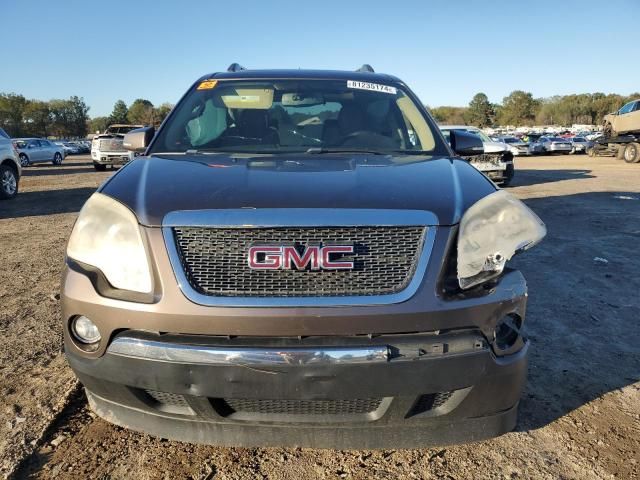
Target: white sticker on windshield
[{"x": 374, "y": 87}]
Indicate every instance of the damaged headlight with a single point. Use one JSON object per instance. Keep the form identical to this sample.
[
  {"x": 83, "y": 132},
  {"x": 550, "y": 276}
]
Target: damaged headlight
[
  {"x": 107, "y": 236},
  {"x": 493, "y": 230}
]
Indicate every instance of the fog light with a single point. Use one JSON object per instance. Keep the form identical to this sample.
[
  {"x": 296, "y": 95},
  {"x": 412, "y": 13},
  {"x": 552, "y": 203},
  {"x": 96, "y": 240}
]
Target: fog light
[
  {"x": 85, "y": 330},
  {"x": 508, "y": 331}
]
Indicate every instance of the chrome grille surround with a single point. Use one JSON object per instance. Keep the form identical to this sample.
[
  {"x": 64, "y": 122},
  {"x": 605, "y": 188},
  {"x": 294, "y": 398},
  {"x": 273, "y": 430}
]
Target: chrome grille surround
[
  {"x": 299, "y": 220},
  {"x": 215, "y": 260}
]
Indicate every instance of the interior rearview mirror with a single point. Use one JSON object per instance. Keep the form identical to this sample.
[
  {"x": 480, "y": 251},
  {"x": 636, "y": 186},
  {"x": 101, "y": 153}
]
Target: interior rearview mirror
[
  {"x": 139, "y": 139},
  {"x": 466, "y": 143}
]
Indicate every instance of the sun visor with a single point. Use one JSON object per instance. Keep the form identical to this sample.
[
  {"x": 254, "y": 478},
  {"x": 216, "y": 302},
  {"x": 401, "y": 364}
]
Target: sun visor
[{"x": 248, "y": 98}]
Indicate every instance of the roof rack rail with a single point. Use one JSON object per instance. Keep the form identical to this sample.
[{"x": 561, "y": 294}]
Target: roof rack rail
[
  {"x": 366, "y": 68},
  {"x": 235, "y": 67}
]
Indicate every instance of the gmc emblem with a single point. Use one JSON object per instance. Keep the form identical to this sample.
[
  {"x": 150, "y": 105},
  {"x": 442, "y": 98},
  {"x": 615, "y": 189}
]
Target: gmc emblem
[{"x": 281, "y": 257}]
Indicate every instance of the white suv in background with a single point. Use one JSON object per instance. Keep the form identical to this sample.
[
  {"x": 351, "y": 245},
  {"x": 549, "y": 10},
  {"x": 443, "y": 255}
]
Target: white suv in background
[
  {"x": 497, "y": 160},
  {"x": 10, "y": 170}
]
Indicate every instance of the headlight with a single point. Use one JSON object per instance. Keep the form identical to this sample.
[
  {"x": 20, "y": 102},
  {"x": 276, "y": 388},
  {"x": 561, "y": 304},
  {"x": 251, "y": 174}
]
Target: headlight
[
  {"x": 107, "y": 237},
  {"x": 491, "y": 232}
]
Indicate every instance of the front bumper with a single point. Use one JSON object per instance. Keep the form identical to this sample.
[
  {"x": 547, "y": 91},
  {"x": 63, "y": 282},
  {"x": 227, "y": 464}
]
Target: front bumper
[
  {"x": 432, "y": 389},
  {"x": 111, "y": 158},
  {"x": 555, "y": 149},
  {"x": 448, "y": 384}
]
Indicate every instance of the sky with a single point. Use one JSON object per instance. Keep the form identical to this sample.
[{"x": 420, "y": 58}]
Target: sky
[{"x": 445, "y": 50}]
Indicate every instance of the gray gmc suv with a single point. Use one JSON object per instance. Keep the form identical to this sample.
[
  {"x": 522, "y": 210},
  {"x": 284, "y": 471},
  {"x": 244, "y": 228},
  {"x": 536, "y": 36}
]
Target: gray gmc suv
[{"x": 299, "y": 258}]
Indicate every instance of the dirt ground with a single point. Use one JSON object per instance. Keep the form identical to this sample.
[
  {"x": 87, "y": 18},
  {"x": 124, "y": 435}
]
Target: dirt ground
[{"x": 580, "y": 413}]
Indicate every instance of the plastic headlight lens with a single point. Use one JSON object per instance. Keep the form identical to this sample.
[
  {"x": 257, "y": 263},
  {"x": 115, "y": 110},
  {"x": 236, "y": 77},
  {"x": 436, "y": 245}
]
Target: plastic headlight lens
[
  {"x": 107, "y": 237},
  {"x": 493, "y": 230}
]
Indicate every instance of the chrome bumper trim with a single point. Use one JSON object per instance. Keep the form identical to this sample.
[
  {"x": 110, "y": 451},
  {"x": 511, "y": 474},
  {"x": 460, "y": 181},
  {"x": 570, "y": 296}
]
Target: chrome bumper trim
[{"x": 198, "y": 354}]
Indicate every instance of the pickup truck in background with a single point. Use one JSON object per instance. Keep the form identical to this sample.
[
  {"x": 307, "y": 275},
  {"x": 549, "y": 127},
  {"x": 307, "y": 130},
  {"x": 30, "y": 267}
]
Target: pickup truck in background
[{"x": 107, "y": 148}]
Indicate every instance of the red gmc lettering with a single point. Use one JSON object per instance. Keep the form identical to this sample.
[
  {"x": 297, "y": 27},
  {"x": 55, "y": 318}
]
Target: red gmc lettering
[
  {"x": 310, "y": 256},
  {"x": 267, "y": 257},
  {"x": 328, "y": 264},
  {"x": 272, "y": 258}
]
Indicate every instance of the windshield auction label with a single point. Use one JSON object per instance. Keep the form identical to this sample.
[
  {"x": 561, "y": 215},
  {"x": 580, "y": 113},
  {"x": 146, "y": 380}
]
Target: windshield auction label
[{"x": 374, "y": 87}]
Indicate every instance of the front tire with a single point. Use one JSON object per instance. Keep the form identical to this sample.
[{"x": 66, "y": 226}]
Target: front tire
[
  {"x": 8, "y": 182},
  {"x": 632, "y": 153},
  {"x": 99, "y": 167},
  {"x": 57, "y": 159},
  {"x": 24, "y": 160}
]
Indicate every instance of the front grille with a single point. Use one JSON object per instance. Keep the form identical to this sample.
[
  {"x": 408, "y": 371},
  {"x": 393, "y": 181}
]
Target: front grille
[
  {"x": 215, "y": 260},
  {"x": 431, "y": 401},
  {"x": 350, "y": 406},
  {"x": 494, "y": 158},
  {"x": 112, "y": 145},
  {"x": 165, "y": 398}
]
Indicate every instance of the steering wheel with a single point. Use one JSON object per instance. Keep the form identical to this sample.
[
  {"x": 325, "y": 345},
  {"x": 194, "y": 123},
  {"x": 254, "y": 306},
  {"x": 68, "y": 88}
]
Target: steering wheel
[{"x": 375, "y": 138}]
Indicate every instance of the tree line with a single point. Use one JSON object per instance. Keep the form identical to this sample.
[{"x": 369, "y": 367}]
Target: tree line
[
  {"x": 23, "y": 117},
  {"x": 520, "y": 108},
  {"x": 141, "y": 112}
]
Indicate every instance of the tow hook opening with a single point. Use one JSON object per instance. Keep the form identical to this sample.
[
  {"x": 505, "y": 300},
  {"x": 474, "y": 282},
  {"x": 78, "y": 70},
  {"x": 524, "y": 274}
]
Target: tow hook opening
[{"x": 508, "y": 332}]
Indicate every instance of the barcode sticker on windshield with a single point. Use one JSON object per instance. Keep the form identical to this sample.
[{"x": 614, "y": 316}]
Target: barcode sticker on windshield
[{"x": 374, "y": 87}]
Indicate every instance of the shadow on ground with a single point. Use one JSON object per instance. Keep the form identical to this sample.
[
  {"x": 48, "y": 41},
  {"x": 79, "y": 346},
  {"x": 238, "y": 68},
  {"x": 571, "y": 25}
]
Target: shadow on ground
[
  {"x": 582, "y": 320},
  {"x": 525, "y": 177},
  {"x": 39, "y": 171},
  {"x": 49, "y": 202}
]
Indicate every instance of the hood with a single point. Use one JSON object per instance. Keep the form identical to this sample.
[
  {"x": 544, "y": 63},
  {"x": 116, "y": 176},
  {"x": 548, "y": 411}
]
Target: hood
[{"x": 156, "y": 185}]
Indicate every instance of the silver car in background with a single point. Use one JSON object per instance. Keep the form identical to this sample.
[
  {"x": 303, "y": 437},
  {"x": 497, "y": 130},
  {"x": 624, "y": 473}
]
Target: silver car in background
[
  {"x": 581, "y": 145},
  {"x": 516, "y": 146},
  {"x": 38, "y": 150},
  {"x": 555, "y": 144},
  {"x": 10, "y": 170}
]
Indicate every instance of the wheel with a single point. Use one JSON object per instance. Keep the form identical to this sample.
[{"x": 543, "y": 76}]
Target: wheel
[
  {"x": 8, "y": 182},
  {"x": 99, "y": 167},
  {"x": 24, "y": 160},
  {"x": 620, "y": 152},
  {"x": 632, "y": 153},
  {"x": 508, "y": 175},
  {"x": 57, "y": 159}
]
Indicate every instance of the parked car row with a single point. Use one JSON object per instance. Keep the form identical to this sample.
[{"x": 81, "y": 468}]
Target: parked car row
[
  {"x": 75, "y": 147},
  {"x": 535, "y": 144}
]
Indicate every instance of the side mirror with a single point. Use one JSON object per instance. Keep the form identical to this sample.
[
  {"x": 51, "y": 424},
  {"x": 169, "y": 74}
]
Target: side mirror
[
  {"x": 139, "y": 139},
  {"x": 466, "y": 144}
]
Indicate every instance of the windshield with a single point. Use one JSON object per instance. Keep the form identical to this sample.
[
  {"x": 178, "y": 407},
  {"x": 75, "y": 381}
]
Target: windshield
[
  {"x": 485, "y": 138},
  {"x": 284, "y": 116},
  {"x": 120, "y": 130},
  {"x": 511, "y": 140}
]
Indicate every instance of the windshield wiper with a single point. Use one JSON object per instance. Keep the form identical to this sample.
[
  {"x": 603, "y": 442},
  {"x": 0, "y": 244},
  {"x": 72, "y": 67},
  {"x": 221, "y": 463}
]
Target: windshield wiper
[
  {"x": 413, "y": 152},
  {"x": 319, "y": 150}
]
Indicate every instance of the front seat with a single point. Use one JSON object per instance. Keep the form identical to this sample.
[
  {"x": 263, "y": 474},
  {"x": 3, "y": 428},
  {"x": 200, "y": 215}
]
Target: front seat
[
  {"x": 350, "y": 120},
  {"x": 252, "y": 127}
]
